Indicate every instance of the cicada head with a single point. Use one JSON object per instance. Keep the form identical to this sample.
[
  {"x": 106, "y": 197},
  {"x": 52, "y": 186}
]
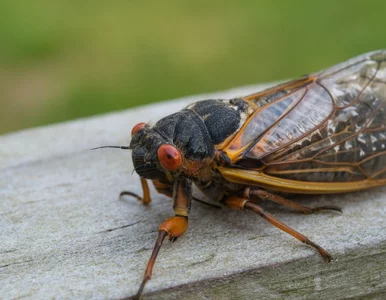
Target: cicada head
[{"x": 154, "y": 157}]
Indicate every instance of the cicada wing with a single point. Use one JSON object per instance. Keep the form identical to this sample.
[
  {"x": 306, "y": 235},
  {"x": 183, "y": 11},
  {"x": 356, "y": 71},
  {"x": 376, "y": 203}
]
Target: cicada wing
[{"x": 328, "y": 127}]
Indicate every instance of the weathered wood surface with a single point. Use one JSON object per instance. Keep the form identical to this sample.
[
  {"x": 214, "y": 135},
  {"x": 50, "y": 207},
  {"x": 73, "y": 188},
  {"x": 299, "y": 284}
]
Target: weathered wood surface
[{"x": 65, "y": 234}]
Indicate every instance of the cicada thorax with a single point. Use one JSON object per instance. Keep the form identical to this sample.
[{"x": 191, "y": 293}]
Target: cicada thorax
[
  {"x": 220, "y": 120},
  {"x": 327, "y": 127}
]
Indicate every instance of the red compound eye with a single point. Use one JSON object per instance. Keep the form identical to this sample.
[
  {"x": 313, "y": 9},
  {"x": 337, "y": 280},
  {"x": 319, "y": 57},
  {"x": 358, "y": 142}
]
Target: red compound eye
[
  {"x": 169, "y": 157},
  {"x": 137, "y": 128}
]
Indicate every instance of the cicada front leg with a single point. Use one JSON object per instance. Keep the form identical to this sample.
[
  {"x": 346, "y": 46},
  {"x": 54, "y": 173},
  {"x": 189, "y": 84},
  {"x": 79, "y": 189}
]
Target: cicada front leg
[
  {"x": 173, "y": 227},
  {"x": 162, "y": 188},
  {"x": 145, "y": 199},
  {"x": 264, "y": 195},
  {"x": 241, "y": 203}
]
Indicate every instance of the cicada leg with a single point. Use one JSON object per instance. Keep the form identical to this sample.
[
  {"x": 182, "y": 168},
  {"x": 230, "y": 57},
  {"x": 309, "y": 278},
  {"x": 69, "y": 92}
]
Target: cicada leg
[
  {"x": 235, "y": 202},
  {"x": 173, "y": 227},
  {"x": 161, "y": 188},
  {"x": 146, "y": 199},
  {"x": 250, "y": 192}
]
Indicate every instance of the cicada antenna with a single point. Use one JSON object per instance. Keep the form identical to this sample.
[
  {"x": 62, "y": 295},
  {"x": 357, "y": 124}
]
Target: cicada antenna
[{"x": 117, "y": 147}]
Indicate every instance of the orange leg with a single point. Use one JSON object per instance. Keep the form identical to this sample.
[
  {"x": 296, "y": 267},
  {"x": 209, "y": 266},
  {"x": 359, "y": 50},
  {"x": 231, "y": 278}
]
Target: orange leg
[
  {"x": 146, "y": 199},
  {"x": 162, "y": 188},
  {"x": 245, "y": 204},
  {"x": 283, "y": 201},
  {"x": 173, "y": 227}
]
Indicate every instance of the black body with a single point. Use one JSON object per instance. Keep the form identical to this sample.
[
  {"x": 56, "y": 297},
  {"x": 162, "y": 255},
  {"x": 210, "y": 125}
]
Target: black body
[{"x": 194, "y": 131}]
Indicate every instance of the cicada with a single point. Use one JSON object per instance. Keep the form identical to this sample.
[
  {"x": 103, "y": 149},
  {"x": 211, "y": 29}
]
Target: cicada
[{"x": 323, "y": 133}]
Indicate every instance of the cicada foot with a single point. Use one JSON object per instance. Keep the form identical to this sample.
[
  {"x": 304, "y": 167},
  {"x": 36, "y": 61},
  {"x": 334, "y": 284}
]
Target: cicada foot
[
  {"x": 245, "y": 204},
  {"x": 146, "y": 199},
  {"x": 249, "y": 193},
  {"x": 172, "y": 228}
]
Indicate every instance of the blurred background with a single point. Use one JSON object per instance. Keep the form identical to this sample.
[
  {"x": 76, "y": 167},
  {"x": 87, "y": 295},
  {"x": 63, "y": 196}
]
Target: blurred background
[{"x": 61, "y": 60}]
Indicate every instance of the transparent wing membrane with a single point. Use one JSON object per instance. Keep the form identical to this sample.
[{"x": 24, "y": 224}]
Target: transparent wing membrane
[{"x": 329, "y": 127}]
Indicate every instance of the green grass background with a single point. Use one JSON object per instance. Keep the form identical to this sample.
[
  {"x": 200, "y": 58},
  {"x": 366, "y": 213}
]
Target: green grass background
[{"x": 61, "y": 60}]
